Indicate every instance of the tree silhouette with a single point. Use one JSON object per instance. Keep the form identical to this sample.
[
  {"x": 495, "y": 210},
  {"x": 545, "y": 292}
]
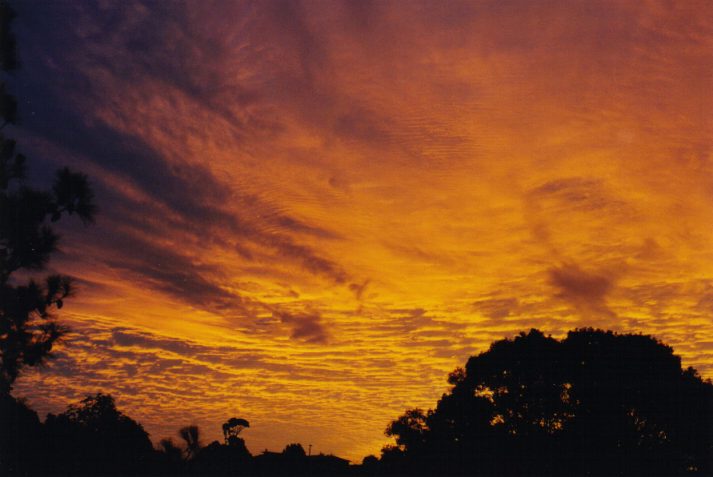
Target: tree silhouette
[
  {"x": 169, "y": 459},
  {"x": 594, "y": 403},
  {"x": 230, "y": 458},
  {"x": 170, "y": 449},
  {"x": 409, "y": 430},
  {"x": 28, "y": 328},
  {"x": 294, "y": 450},
  {"x": 232, "y": 429},
  {"x": 191, "y": 436},
  {"x": 8, "y": 62},
  {"x": 94, "y": 437},
  {"x": 370, "y": 465},
  {"x": 20, "y": 432}
]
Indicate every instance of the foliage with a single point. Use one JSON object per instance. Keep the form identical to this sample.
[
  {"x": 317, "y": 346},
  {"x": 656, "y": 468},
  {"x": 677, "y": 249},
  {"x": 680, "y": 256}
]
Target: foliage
[
  {"x": 596, "y": 403},
  {"x": 409, "y": 429},
  {"x": 170, "y": 450},
  {"x": 232, "y": 429},
  {"x": 294, "y": 450},
  {"x": 95, "y": 437},
  {"x": 20, "y": 432},
  {"x": 28, "y": 328},
  {"x": 191, "y": 436}
]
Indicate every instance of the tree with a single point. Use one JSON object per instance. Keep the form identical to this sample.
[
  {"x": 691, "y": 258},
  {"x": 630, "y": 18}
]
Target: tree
[
  {"x": 232, "y": 429},
  {"x": 94, "y": 437},
  {"x": 409, "y": 430},
  {"x": 170, "y": 450},
  {"x": 230, "y": 458},
  {"x": 370, "y": 465},
  {"x": 595, "y": 402},
  {"x": 169, "y": 459},
  {"x": 294, "y": 450},
  {"x": 28, "y": 327},
  {"x": 191, "y": 436},
  {"x": 21, "y": 431}
]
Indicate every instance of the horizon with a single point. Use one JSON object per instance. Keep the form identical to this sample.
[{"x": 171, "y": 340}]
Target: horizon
[{"x": 311, "y": 212}]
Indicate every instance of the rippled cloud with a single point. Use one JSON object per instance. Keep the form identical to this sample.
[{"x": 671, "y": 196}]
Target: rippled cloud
[{"x": 311, "y": 212}]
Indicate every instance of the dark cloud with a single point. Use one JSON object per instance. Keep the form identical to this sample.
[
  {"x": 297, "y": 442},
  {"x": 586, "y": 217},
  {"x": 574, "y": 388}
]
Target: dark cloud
[
  {"x": 289, "y": 223},
  {"x": 705, "y": 303},
  {"x": 362, "y": 16},
  {"x": 579, "y": 193},
  {"x": 129, "y": 41},
  {"x": 585, "y": 290},
  {"x": 217, "y": 354},
  {"x": 163, "y": 268},
  {"x": 305, "y": 327},
  {"x": 124, "y": 337},
  {"x": 307, "y": 257},
  {"x": 288, "y": 21},
  {"x": 496, "y": 308},
  {"x": 359, "y": 289},
  {"x": 366, "y": 126},
  {"x": 193, "y": 195}
]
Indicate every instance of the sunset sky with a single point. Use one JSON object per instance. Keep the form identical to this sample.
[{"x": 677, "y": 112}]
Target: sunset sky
[{"x": 311, "y": 212}]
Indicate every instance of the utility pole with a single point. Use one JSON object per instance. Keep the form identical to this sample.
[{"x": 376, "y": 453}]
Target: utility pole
[{"x": 309, "y": 461}]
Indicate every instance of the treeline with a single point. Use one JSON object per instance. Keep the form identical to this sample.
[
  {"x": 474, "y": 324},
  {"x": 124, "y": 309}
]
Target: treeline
[
  {"x": 593, "y": 403},
  {"x": 95, "y": 438}
]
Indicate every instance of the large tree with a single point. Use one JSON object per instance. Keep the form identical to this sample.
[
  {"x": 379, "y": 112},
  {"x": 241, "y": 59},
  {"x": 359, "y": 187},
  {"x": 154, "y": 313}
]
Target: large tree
[
  {"x": 595, "y": 402},
  {"x": 28, "y": 326},
  {"x": 95, "y": 438}
]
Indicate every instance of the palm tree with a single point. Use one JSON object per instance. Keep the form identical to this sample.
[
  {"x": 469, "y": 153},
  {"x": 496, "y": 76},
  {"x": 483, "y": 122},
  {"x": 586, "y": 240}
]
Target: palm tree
[{"x": 191, "y": 435}]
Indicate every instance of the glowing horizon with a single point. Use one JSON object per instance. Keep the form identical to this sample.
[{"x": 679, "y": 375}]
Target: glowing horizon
[{"x": 311, "y": 212}]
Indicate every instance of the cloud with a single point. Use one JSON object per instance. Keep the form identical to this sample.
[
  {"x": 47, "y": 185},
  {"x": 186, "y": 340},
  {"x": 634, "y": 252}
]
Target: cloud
[
  {"x": 587, "y": 291},
  {"x": 258, "y": 166},
  {"x": 359, "y": 289},
  {"x": 305, "y": 327},
  {"x": 177, "y": 192},
  {"x": 583, "y": 194},
  {"x": 124, "y": 337},
  {"x": 496, "y": 308}
]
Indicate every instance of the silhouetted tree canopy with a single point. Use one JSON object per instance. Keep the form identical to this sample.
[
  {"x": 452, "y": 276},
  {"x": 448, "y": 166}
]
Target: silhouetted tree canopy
[
  {"x": 94, "y": 437},
  {"x": 230, "y": 458},
  {"x": 28, "y": 328},
  {"x": 20, "y": 434},
  {"x": 593, "y": 403},
  {"x": 294, "y": 450},
  {"x": 232, "y": 429},
  {"x": 172, "y": 454}
]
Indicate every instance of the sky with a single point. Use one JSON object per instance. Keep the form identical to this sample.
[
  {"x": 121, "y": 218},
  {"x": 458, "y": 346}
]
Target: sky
[{"x": 311, "y": 212}]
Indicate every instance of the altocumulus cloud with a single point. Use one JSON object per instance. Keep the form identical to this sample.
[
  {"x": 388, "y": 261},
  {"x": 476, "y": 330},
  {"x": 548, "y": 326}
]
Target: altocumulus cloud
[{"x": 584, "y": 290}]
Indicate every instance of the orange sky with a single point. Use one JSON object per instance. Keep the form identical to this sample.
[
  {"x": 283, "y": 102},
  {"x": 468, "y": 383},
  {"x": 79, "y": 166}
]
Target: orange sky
[{"x": 312, "y": 212}]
